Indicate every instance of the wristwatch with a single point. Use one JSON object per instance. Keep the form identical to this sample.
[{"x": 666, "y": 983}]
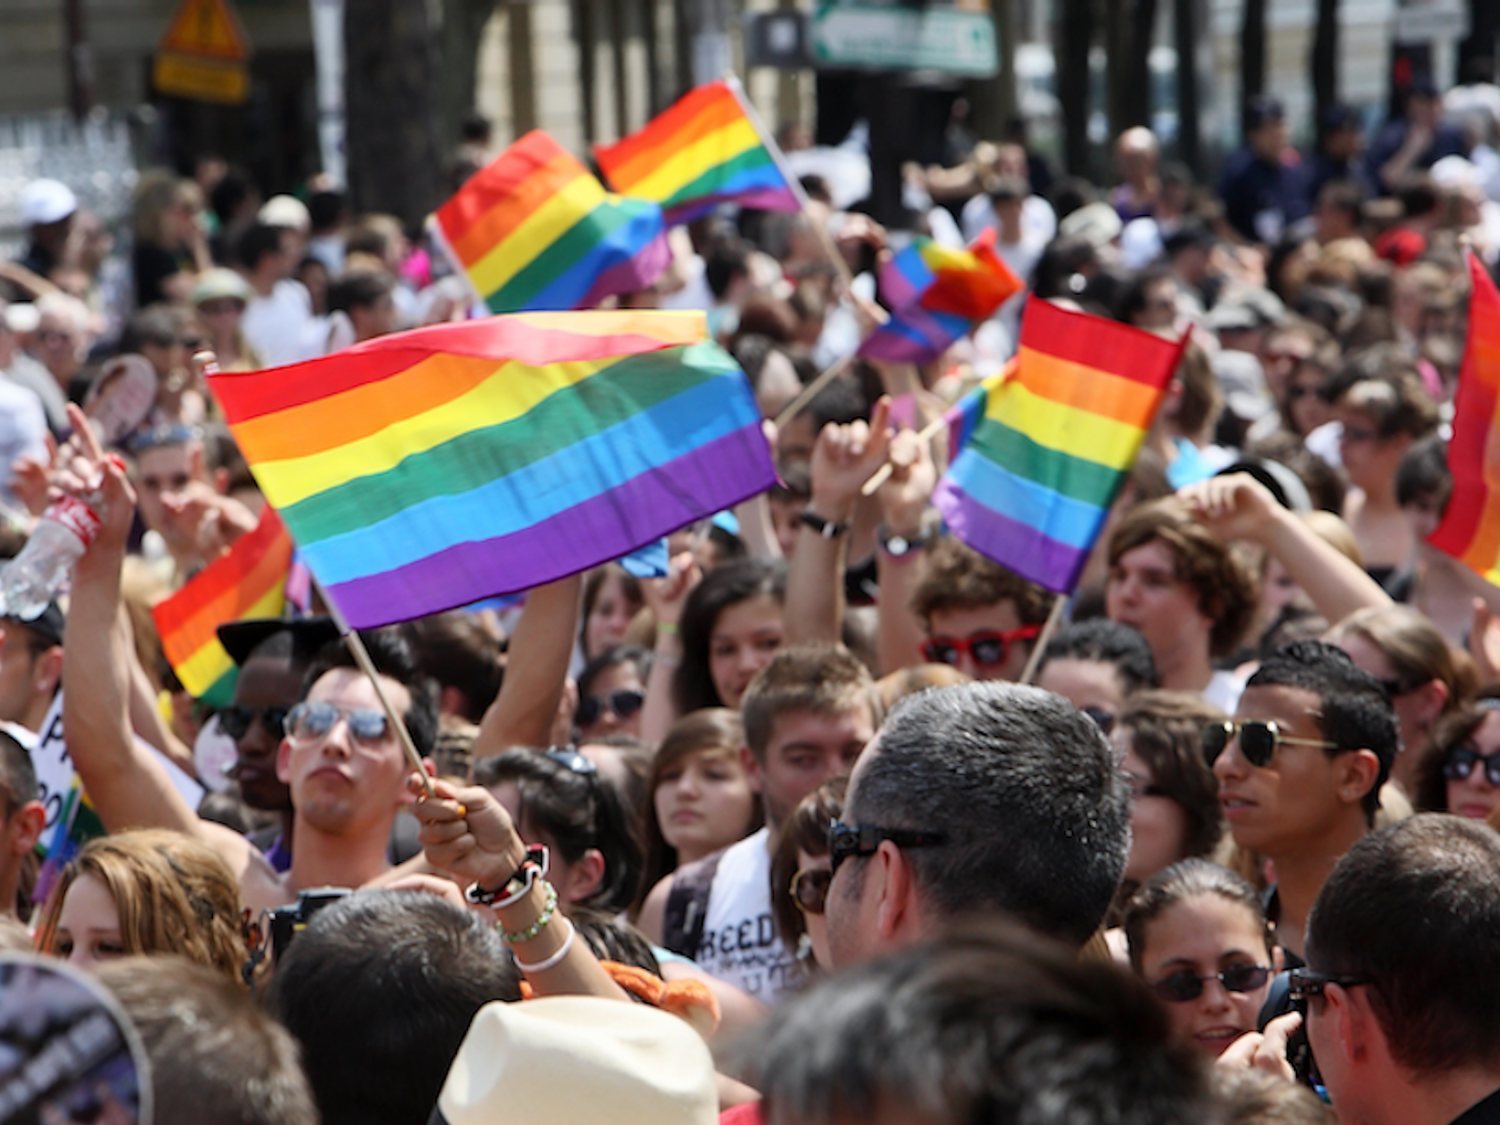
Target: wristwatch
[
  {"x": 535, "y": 866},
  {"x": 899, "y": 546},
  {"x": 828, "y": 529}
]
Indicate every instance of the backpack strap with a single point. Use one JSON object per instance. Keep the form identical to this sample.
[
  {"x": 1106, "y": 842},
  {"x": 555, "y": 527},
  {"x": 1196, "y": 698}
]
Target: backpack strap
[{"x": 687, "y": 906}]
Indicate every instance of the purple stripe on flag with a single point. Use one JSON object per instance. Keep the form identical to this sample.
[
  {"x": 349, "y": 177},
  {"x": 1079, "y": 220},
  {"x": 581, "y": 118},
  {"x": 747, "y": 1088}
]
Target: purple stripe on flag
[
  {"x": 1015, "y": 546},
  {"x": 631, "y": 275},
  {"x": 714, "y": 476},
  {"x": 760, "y": 199}
]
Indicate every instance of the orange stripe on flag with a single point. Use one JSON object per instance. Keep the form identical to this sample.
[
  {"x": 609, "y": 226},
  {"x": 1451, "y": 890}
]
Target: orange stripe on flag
[{"x": 637, "y": 156}]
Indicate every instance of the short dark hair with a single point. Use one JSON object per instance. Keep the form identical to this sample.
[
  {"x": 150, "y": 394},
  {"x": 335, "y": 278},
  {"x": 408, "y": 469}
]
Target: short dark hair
[
  {"x": 579, "y": 810},
  {"x": 259, "y": 240},
  {"x": 955, "y": 576},
  {"x": 820, "y": 679},
  {"x": 456, "y": 650},
  {"x": 726, "y": 259},
  {"x": 17, "y": 773},
  {"x": 1414, "y": 908},
  {"x": 987, "y": 1023},
  {"x": 1356, "y": 712},
  {"x": 326, "y": 208},
  {"x": 1424, "y": 473},
  {"x": 214, "y": 1054},
  {"x": 1106, "y": 642},
  {"x": 392, "y": 656},
  {"x": 359, "y": 289},
  {"x": 380, "y": 989},
  {"x": 1023, "y": 786}
]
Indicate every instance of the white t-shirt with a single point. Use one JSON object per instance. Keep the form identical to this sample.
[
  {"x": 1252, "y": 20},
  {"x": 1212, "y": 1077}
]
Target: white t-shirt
[
  {"x": 740, "y": 943},
  {"x": 277, "y": 326}
]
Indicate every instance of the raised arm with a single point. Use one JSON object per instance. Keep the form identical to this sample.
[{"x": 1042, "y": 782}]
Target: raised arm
[
  {"x": 537, "y": 671},
  {"x": 904, "y": 502},
  {"x": 665, "y": 597},
  {"x": 844, "y": 457},
  {"x": 1239, "y": 507}
]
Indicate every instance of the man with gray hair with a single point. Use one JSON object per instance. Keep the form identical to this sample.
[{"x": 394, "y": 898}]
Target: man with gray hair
[{"x": 980, "y": 797}]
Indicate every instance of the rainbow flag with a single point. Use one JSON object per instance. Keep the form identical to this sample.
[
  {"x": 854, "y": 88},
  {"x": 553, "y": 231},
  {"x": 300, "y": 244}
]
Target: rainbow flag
[
  {"x": 247, "y": 581},
  {"x": 535, "y": 230},
  {"x": 1050, "y": 439},
  {"x": 704, "y": 150},
  {"x": 1470, "y": 528},
  {"x": 434, "y": 468},
  {"x": 936, "y": 296}
]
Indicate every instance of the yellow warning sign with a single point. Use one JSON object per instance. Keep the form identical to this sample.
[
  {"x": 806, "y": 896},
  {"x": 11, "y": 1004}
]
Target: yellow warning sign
[
  {"x": 208, "y": 29},
  {"x": 203, "y": 80}
]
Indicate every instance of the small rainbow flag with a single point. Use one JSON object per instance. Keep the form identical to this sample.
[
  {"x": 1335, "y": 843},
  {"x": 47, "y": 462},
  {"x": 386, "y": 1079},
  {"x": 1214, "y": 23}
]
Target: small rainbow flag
[
  {"x": 704, "y": 150},
  {"x": 1050, "y": 439},
  {"x": 247, "y": 581},
  {"x": 535, "y": 230},
  {"x": 434, "y": 468},
  {"x": 936, "y": 295},
  {"x": 1470, "y": 528}
]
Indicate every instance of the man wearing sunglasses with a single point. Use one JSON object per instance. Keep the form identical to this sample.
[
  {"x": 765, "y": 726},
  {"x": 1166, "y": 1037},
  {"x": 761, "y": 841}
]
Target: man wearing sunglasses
[
  {"x": 1300, "y": 769},
  {"x": 1402, "y": 990},
  {"x": 979, "y": 797},
  {"x": 975, "y": 614}
]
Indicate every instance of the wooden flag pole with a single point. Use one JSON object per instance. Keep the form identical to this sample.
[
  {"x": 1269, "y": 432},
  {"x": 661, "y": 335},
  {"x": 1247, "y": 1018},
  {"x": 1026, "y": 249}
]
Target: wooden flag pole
[
  {"x": 883, "y": 474},
  {"x": 821, "y": 229},
  {"x": 810, "y": 392},
  {"x": 356, "y": 646},
  {"x": 1054, "y": 619}
]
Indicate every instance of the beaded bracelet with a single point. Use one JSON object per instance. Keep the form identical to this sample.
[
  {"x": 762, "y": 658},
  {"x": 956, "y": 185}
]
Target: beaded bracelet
[
  {"x": 556, "y": 959},
  {"x": 548, "y": 909}
]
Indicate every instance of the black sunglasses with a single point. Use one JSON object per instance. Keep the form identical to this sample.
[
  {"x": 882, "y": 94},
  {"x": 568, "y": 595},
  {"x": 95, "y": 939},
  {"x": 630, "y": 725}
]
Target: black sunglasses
[
  {"x": 237, "y": 721},
  {"x": 623, "y": 704},
  {"x": 1181, "y": 987},
  {"x": 810, "y": 889},
  {"x": 846, "y": 840},
  {"x": 1104, "y": 720},
  {"x": 1459, "y": 763},
  {"x": 1258, "y": 740},
  {"x": 1306, "y": 984}
]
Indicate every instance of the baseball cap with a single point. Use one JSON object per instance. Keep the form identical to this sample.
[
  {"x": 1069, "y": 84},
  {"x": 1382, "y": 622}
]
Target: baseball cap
[
  {"x": 48, "y": 624},
  {"x": 46, "y": 201},
  {"x": 285, "y": 211},
  {"x": 309, "y": 634}
]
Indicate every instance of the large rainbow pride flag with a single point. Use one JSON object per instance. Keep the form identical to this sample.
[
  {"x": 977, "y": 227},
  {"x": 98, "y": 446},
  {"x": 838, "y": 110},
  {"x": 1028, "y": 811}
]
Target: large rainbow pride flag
[
  {"x": 535, "y": 230},
  {"x": 937, "y": 295},
  {"x": 248, "y": 581},
  {"x": 430, "y": 469},
  {"x": 1470, "y": 527},
  {"x": 1046, "y": 443},
  {"x": 702, "y": 151}
]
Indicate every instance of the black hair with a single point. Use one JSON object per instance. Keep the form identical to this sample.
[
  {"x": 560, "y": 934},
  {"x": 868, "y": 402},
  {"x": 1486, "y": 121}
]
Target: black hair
[
  {"x": 380, "y": 989},
  {"x": 727, "y": 259},
  {"x": 1107, "y": 642},
  {"x": 392, "y": 657},
  {"x": 1021, "y": 784},
  {"x": 259, "y": 240},
  {"x": 227, "y": 196},
  {"x": 633, "y": 655},
  {"x": 578, "y": 810},
  {"x": 17, "y": 773},
  {"x": 359, "y": 288},
  {"x": 1414, "y": 909},
  {"x": 1131, "y": 298},
  {"x": 1355, "y": 712},
  {"x": 456, "y": 650},
  {"x": 326, "y": 208},
  {"x": 1424, "y": 474},
  {"x": 1166, "y": 734},
  {"x": 987, "y": 1023}
]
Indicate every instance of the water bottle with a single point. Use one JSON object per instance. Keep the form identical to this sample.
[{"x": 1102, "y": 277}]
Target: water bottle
[{"x": 34, "y": 577}]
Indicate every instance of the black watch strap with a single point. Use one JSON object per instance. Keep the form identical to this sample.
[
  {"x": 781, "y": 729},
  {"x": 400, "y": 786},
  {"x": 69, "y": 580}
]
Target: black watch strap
[{"x": 828, "y": 529}]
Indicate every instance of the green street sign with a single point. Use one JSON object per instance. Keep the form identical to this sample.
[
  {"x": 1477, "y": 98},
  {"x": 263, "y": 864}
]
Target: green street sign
[{"x": 883, "y": 38}]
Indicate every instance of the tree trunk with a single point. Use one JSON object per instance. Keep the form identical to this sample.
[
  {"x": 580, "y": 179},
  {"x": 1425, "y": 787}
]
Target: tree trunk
[
  {"x": 992, "y": 101},
  {"x": 463, "y": 28},
  {"x": 1325, "y": 61},
  {"x": 1074, "y": 33},
  {"x": 1185, "y": 26},
  {"x": 1136, "y": 104},
  {"x": 1252, "y": 56},
  {"x": 390, "y": 92}
]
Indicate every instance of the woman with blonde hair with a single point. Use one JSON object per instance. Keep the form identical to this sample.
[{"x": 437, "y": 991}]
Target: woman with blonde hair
[
  {"x": 1425, "y": 678},
  {"x": 170, "y": 247},
  {"x": 144, "y": 892}
]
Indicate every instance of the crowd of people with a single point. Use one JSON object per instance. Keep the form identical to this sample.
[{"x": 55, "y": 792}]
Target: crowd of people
[{"x": 838, "y": 819}]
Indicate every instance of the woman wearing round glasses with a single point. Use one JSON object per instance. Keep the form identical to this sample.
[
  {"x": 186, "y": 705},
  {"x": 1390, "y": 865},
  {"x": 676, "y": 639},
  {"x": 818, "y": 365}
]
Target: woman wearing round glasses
[
  {"x": 1199, "y": 939},
  {"x": 801, "y": 872},
  {"x": 1460, "y": 774}
]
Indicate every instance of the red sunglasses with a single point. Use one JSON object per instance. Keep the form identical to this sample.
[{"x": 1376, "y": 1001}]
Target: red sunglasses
[{"x": 987, "y": 647}]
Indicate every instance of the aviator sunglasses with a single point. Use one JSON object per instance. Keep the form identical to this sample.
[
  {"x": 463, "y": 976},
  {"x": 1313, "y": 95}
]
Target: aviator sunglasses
[{"x": 311, "y": 721}]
